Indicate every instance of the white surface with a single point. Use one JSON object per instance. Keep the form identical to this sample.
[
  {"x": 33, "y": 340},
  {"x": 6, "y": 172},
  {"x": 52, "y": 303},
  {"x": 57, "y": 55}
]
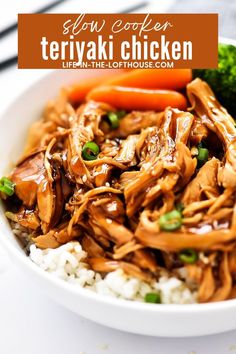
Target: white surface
[{"x": 30, "y": 323}]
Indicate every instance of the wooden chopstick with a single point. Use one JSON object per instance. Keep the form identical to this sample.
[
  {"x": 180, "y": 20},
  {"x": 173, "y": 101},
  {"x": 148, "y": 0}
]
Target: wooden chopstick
[{"x": 13, "y": 60}]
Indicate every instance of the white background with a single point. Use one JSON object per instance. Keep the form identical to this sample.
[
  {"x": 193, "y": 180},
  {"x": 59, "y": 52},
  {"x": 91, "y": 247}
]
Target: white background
[{"x": 30, "y": 323}]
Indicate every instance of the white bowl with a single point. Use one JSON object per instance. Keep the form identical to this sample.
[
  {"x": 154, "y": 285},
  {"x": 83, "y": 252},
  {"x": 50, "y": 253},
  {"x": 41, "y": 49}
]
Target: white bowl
[{"x": 142, "y": 318}]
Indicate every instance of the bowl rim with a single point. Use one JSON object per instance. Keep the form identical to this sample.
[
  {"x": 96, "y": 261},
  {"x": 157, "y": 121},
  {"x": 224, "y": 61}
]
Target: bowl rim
[
  {"x": 104, "y": 299},
  {"x": 77, "y": 290}
]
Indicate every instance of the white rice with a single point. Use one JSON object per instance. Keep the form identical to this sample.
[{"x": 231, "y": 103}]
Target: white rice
[{"x": 67, "y": 262}]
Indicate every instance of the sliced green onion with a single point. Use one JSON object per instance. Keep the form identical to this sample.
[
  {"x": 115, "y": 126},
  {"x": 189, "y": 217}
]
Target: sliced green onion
[
  {"x": 188, "y": 256},
  {"x": 114, "y": 117},
  {"x": 203, "y": 154},
  {"x": 121, "y": 114},
  {"x": 113, "y": 120},
  {"x": 7, "y": 186},
  {"x": 153, "y": 298},
  {"x": 170, "y": 221},
  {"x": 180, "y": 207},
  {"x": 90, "y": 151}
]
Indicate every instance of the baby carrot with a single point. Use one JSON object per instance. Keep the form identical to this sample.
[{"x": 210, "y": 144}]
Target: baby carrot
[
  {"x": 79, "y": 91},
  {"x": 131, "y": 98},
  {"x": 171, "y": 79}
]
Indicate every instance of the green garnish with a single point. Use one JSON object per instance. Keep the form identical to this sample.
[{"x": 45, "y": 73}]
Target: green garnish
[
  {"x": 202, "y": 156},
  {"x": 223, "y": 79},
  {"x": 188, "y": 256},
  {"x": 113, "y": 120},
  {"x": 121, "y": 114},
  {"x": 90, "y": 151},
  {"x": 7, "y": 186},
  {"x": 153, "y": 298},
  {"x": 179, "y": 207},
  {"x": 114, "y": 117},
  {"x": 171, "y": 221}
]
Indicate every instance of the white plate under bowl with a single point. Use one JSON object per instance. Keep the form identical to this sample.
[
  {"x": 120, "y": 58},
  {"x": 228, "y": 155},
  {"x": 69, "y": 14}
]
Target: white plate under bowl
[{"x": 142, "y": 318}]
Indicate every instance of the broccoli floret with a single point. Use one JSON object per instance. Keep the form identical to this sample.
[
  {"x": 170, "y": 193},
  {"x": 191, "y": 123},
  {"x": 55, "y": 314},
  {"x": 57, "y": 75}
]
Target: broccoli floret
[{"x": 223, "y": 79}]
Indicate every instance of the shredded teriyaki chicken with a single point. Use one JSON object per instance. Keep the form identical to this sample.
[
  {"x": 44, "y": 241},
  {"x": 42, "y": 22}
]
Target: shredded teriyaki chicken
[{"x": 153, "y": 191}]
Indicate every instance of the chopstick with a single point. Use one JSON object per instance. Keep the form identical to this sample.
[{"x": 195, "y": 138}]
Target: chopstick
[
  {"x": 8, "y": 62},
  {"x": 13, "y": 60},
  {"x": 14, "y": 26}
]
